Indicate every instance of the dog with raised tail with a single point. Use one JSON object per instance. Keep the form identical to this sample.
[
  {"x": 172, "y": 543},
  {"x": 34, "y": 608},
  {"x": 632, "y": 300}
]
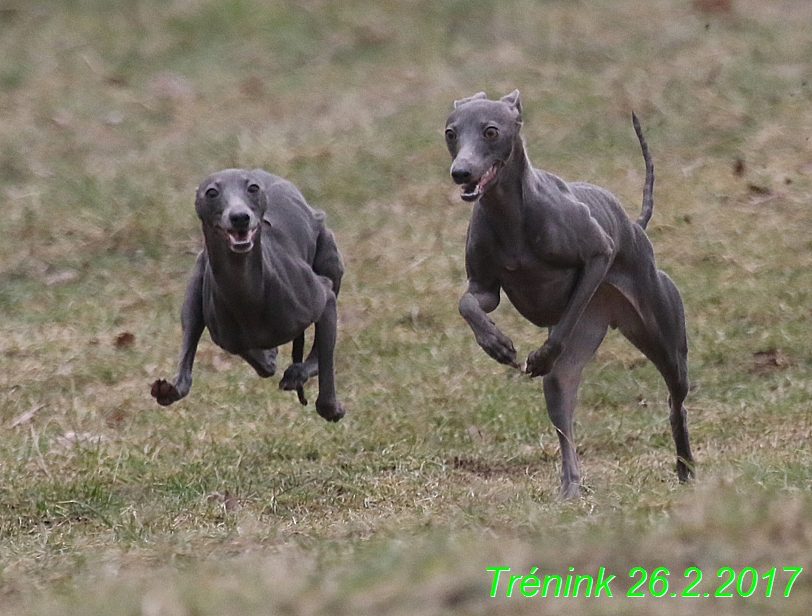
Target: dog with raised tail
[{"x": 569, "y": 259}]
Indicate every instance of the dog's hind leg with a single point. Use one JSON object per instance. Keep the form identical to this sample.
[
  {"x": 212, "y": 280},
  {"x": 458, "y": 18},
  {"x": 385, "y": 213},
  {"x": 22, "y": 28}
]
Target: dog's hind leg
[
  {"x": 327, "y": 263},
  {"x": 660, "y": 334},
  {"x": 561, "y": 387},
  {"x": 326, "y": 404}
]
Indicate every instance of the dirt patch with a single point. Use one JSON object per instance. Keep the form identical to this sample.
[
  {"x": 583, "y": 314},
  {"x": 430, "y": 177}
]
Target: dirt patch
[{"x": 770, "y": 360}]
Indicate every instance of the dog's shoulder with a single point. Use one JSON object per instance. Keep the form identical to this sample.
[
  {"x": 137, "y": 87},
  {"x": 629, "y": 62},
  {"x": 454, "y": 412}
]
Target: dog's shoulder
[
  {"x": 550, "y": 196},
  {"x": 283, "y": 193},
  {"x": 562, "y": 196},
  {"x": 550, "y": 182},
  {"x": 277, "y": 187},
  {"x": 286, "y": 202}
]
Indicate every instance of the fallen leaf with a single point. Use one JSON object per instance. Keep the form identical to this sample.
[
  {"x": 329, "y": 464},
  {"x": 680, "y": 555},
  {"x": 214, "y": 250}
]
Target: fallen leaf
[
  {"x": 759, "y": 190},
  {"x": 116, "y": 417},
  {"x": 125, "y": 340}
]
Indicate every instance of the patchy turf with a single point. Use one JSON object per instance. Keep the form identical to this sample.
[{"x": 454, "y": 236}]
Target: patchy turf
[{"x": 237, "y": 499}]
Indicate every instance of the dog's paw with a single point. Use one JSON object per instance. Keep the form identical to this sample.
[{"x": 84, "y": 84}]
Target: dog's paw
[
  {"x": 294, "y": 379},
  {"x": 685, "y": 470},
  {"x": 331, "y": 411},
  {"x": 164, "y": 392},
  {"x": 570, "y": 491},
  {"x": 301, "y": 395},
  {"x": 541, "y": 361},
  {"x": 499, "y": 347},
  {"x": 295, "y": 376}
]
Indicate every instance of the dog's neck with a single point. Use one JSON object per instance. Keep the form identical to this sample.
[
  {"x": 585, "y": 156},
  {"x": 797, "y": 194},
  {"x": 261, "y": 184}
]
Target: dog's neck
[
  {"x": 505, "y": 200},
  {"x": 240, "y": 277}
]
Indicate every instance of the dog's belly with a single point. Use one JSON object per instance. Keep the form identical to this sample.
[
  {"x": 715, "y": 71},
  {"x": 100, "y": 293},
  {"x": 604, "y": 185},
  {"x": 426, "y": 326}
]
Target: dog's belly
[
  {"x": 238, "y": 335},
  {"x": 540, "y": 294}
]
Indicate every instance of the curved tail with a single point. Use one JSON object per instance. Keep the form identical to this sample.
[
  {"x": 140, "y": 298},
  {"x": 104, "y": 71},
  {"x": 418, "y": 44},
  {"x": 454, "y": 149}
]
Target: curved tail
[{"x": 648, "y": 186}]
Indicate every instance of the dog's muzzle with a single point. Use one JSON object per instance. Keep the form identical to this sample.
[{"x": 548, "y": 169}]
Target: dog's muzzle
[
  {"x": 239, "y": 240},
  {"x": 473, "y": 190}
]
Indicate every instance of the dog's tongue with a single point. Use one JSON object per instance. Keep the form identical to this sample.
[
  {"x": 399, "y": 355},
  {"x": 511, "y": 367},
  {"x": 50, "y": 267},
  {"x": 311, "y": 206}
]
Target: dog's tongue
[
  {"x": 241, "y": 240},
  {"x": 474, "y": 190}
]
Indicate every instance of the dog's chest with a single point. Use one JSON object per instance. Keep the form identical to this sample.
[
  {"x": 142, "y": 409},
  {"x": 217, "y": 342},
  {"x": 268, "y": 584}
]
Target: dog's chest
[{"x": 539, "y": 290}]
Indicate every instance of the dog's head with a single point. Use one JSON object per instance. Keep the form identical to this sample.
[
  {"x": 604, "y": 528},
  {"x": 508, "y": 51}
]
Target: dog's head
[
  {"x": 481, "y": 134},
  {"x": 230, "y": 204}
]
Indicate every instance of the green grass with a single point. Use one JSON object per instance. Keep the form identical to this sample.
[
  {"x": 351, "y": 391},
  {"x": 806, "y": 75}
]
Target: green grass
[{"x": 237, "y": 499}]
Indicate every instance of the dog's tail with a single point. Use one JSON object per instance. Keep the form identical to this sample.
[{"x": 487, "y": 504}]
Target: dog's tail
[{"x": 648, "y": 186}]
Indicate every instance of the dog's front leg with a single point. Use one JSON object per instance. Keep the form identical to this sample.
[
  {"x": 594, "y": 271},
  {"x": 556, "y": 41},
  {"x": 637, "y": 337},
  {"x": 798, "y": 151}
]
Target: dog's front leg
[
  {"x": 192, "y": 325},
  {"x": 474, "y": 305},
  {"x": 595, "y": 266}
]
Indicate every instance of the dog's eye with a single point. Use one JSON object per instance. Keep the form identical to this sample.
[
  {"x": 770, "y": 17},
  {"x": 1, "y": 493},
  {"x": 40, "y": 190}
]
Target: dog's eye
[
  {"x": 212, "y": 193},
  {"x": 253, "y": 188},
  {"x": 450, "y": 135},
  {"x": 491, "y": 132}
]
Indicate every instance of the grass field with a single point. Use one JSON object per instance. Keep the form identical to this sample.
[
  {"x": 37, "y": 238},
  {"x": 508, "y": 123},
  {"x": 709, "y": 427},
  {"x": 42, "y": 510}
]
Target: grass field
[{"x": 239, "y": 501}]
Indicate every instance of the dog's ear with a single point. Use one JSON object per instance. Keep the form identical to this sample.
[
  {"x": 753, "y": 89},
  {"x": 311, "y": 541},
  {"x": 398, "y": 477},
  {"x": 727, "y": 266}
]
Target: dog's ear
[
  {"x": 514, "y": 100},
  {"x": 476, "y": 97}
]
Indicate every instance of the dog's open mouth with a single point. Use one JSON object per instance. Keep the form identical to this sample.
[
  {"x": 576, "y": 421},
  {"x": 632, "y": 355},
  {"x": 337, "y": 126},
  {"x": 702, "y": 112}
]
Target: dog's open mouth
[
  {"x": 473, "y": 190},
  {"x": 240, "y": 240}
]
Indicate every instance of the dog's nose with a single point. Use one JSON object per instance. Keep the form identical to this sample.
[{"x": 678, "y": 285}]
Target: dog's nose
[
  {"x": 239, "y": 220},
  {"x": 461, "y": 175}
]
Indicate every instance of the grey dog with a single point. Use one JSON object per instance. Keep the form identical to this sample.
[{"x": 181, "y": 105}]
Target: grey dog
[
  {"x": 269, "y": 269},
  {"x": 569, "y": 259}
]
